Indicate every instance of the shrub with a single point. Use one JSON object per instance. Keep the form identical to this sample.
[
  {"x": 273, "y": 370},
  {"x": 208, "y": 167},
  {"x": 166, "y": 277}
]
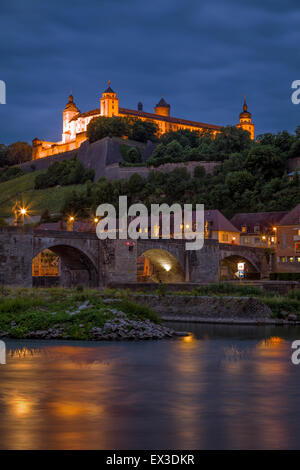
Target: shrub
[
  {"x": 64, "y": 173},
  {"x": 11, "y": 173},
  {"x": 130, "y": 154}
]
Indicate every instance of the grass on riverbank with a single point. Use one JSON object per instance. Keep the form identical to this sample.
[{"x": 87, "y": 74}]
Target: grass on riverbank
[
  {"x": 25, "y": 310},
  {"x": 277, "y": 303}
]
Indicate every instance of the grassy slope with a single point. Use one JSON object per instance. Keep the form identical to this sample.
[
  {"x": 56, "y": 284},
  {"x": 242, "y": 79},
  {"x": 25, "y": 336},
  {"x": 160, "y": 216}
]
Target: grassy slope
[{"x": 22, "y": 189}]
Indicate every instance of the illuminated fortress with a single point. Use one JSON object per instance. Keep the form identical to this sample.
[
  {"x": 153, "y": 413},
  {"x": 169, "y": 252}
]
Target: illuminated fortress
[{"x": 75, "y": 123}]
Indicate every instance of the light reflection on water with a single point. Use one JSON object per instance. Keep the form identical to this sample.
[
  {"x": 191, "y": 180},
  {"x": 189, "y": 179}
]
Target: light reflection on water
[{"x": 222, "y": 387}]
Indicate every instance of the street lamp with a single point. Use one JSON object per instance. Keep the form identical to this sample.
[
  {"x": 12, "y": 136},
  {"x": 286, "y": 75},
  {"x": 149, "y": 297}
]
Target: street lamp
[
  {"x": 19, "y": 212},
  {"x": 70, "y": 223}
]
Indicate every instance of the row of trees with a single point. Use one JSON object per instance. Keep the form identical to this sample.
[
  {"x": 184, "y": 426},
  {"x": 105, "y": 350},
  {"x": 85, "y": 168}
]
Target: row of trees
[
  {"x": 185, "y": 145},
  {"x": 14, "y": 154},
  {"x": 116, "y": 126},
  {"x": 235, "y": 186}
]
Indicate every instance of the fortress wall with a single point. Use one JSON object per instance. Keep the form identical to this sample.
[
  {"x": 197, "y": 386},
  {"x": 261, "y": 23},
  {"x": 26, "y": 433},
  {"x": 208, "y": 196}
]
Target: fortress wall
[
  {"x": 114, "y": 171},
  {"x": 104, "y": 156}
]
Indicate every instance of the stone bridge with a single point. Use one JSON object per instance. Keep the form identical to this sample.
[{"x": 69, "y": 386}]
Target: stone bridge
[{"x": 89, "y": 261}]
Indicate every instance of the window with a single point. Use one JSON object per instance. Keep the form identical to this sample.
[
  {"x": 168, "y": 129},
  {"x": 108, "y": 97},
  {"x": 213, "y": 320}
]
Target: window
[
  {"x": 244, "y": 229},
  {"x": 256, "y": 228},
  {"x": 297, "y": 247},
  {"x": 291, "y": 259},
  {"x": 225, "y": 237},
  {"x": 282, "y": 259}
]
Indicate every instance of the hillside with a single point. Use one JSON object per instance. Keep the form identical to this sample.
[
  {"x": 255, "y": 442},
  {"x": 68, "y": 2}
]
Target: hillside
[{"x": 22, "y": 189}]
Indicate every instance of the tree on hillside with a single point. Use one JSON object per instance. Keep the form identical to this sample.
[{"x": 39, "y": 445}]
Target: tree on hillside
[
  {"x": 184, "y": 136},
  {"x": 19, "y": 152},
  {"x": 265, "y": 161},
  {"x": 64, "y": 173},
  {"x": 4, "y": 152},
  {"x": 102, "y": 126},
  {"x": 142, "y": 131},
  {"x": 230, "y": 140}
]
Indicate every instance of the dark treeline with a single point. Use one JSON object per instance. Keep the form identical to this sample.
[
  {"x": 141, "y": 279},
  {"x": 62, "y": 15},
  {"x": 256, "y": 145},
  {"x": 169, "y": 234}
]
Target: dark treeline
[{"x": 14, "y": 154}]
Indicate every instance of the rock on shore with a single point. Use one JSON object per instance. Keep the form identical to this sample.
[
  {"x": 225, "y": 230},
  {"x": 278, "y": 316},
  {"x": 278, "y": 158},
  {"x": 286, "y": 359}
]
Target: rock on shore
[{"x": 118, "y": 328}]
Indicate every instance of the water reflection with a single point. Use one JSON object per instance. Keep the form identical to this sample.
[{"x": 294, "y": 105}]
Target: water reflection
[{"x": 220, "y": 387}]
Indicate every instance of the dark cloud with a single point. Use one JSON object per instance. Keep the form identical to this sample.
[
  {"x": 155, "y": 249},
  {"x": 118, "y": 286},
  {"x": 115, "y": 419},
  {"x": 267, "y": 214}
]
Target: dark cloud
[{"x": 201, "y": 56}]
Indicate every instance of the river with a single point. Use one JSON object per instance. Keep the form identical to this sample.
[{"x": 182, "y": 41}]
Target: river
[{"x": 223, "y": 387}]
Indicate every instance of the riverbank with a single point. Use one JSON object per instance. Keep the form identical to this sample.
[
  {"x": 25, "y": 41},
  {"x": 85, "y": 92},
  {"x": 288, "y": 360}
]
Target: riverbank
[
  {"x": 220, "y": 309},
  {"x": 116, "y": 314},
  {"x": 75, "y": 315}
]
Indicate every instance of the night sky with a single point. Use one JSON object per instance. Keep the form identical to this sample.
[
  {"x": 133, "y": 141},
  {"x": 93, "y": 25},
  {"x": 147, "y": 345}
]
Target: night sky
[{"x": 202, "y": 56}]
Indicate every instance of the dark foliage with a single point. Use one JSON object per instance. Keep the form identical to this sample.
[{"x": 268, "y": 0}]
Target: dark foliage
[{"x": 64, "y": 173}]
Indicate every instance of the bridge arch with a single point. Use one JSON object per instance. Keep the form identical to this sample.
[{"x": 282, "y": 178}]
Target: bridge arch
[
  {"x": 77, "y": 266},
  {"x": 159, "y": 265},
  {"x": 228, "y": 266}
]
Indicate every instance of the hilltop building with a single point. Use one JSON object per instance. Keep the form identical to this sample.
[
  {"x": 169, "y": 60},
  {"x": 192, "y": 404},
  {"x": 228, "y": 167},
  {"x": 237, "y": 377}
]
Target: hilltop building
[{"x": 75, "y": 123}]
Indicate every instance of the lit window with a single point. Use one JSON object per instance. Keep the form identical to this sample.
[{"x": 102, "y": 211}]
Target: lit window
[
  {"x": 291, "y": 259},
  {"x": 244, "y": 229},
  {"x": 225, "y": 237}
]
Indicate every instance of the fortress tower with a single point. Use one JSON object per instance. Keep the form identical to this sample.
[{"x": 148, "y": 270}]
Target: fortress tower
[
  {"x": 162, "y": 108},
  {"x": 69, "y": 112},
  {"x": 246, "y": 120},
  {"x": 109, "y": 103}
]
